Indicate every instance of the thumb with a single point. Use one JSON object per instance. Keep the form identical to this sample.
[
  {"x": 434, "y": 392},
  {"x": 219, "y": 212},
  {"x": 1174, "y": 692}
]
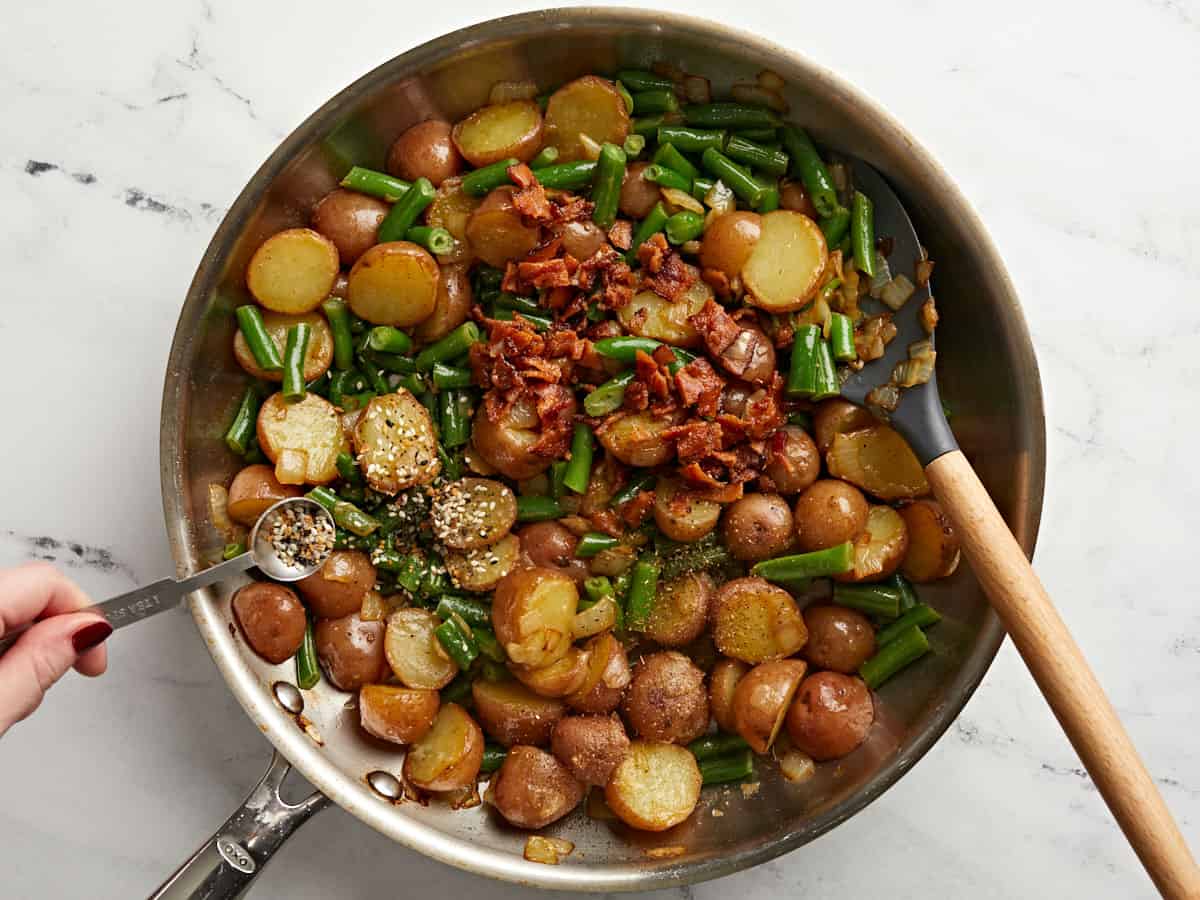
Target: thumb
[{"x": 40, "y": 657}]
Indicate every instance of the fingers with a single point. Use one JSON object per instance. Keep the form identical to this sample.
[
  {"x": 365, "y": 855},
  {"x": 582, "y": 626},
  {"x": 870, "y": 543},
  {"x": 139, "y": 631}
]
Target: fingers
[
  {"x": 42, "y": 655},
  {"x": 36, "y": 590}
]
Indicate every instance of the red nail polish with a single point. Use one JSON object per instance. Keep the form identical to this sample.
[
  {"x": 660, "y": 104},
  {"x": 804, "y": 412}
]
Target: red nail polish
[{"x": 90, "y": 636}]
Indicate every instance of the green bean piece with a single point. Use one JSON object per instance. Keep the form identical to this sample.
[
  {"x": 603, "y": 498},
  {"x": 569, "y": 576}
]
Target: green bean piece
[
  {"x": 684, "y": 226},
  {"x": 873, "y": 599},
  {"x": 391, "y": 362},
  {"x": 625, "y": 349},
  {"x": 403, "y": 214},
  {"x": 352, "y": 493},
  {"x": 568, "y": 176},
  {"x": 862, "y": 233},
  {"x": 233, "y": 550},
  {"x": 258, "y": 339},
  {"x": 801, "y": 420},
  {"x": 447, "y": 377},
  {"x": 489, "y": 645},
  {"x": 641, "y": 80},
  {"x": 541, "y": 323},
  {"x": 453, "y": 345},
  {"x": 643, "y": 482},
  {"x": 920, "y": 615},
  {"x": 387, "y": 339},
  {"x": 654, "y": 222},
  {"x": 691, "y": 140},
  {"x": 606, "y": 192},
  {"x": 339, "y": 325},
  {"x": 712, "y": 746},
  {"x": 642, "y": 589},
  {"x": 242, "y": 430},
  {"x": 648, "y": 126},
  {"x": 769, "y": 200},
  {"x": 377, "y": 184},
  {"x": 375, "y": 379},
  {"x": 345, "y": 515},
  {"x": 826, "y": 373},
  {"x": 626, "y": 97},
  {"x": 739, "y": 180},
  {"x": 817, "y": 564},
  {"x": 598, "y": 587},
  {"x": 724, "y": 769},
  {"x": 667, "y": 178},
  {"x": 538, "y": 509},
  {"x": 558, "y": 471},
  {"x": 802, "y": 374},
  {"x": 667, "y": 155},
  {"x": 633, "y": 145},
  {"x": 437, "y": 241},
  {"x": 841, "y": 338},
  {"x": 348, "y": 469},
  {"x": 308, "y": 671},
  {"x": 762, "y": 135},
  {"x": 701, "y": 186},
  {"x": 458, "y": 644},
  {"x": 592, "y": 543},
  {"x": 729, "y": 115},
  {"x": 659, "y": 100},
  {"x": 483, "y": 181},
  {"x": 412, "y": 383},
  {"x": 609, "y": 396},
  {"x": 505, "y": 300},
  {"x": 429, "y": 400},
  {"x": 488, "y": 278},
  {"x": 493, "y": 757},
  {"x": 908, "y": 594},
  {"x": 319, "y": 385},
  {"x": 901, "y": 651},
  {"x": 545, "y": 157},
  {"x": 808, "y": 166},
  {"x": 459, "y": 690},
  {"x": 579, "y": 466},
  {"x": 454, "y": 412},
  {"x": 835, "y": 226},
  {"x": 774, "y": 162}
]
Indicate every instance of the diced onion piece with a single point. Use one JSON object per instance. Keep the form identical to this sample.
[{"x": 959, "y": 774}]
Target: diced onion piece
[
  {"x": 546, "y": 850},
  {"x": 218, "y": 512},
  {"x": 691, "y": 248},
  {"x": 757, "y": 95},
  {"x": 463, "y": 798},
  {"x": 697, "y": 89},
  {"x": 883, "y": 275},
  {"x": 291, "y": 466},
  {"x": 682, "y": 199},
  {"x": 596, "y": 618},
  {"x": 797, "y": 766},
  {"x": 772, "y": 81},
  {"x": 929, "y": 316},
  {"x": 879, "y": 461},
  {"x": 896, "y": 292},
  {"x": 591, "y": 147},
  {"x": 374, "y": 607},
  {"x": 924, "y": 270},
  {"x": 885, "y": 397},
  {"x": 614, "y": 561},
  {"x": 507, "y": 91},
  {"x": 918, "y": 368},
  {"x": 720, "y": 198}
]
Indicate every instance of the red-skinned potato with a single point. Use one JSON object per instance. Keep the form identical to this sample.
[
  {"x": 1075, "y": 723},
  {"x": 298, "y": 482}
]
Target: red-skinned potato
[
  {"x": 793, "y": 196},
  {"x": 591, "y": 747},
  {"x": 560, "y": 678},
  {"x": 507, "y": 443},
  {"x": 549, "y": 545},
  {"x": 271, "y": 618},
  {"x": 839, "y": 639},
  {"x": 722, "y": 685},
  {"x": 451, "y": 307},
  {"x": 761, "y": 700},
  {"x": 638, "y": 195},
  {"x": 583, "y": 239},
  {"x": 758, "y": 526},
  {"x": 838, "y": 416},
  {"x": 932, "y": 544},
  {"x": 589, "y": 105},
  {"x": 785, "y": 267},
  {"x": 880, "y": 548},
  {"x": 533, "y": 789},
  {"x": 497, "y": 232},
  {"x": 608, "y": 676},
  {"x": 829, "y": 512},
  {"x": 680, "y": 515},
  {"x": 293, "y": 271},
  {"x": 451, "y": 209},
  {"x": 666, "y": 699},
  {"x": 793, "y": 462},
  {"x": 532, "y": 612},
  {"x": 425, "y": 150},
  {"x": 680, "y": 611},
  {"x": 302, "y": 439},
  {"x": 351, "y": 220},
  {"x": 831, "y": 715},
  {"x": 413, "y": 651},
  {"x": 512, "y": 714},
  {"x": 255, "y": 490},
  {"x": 350, "y": 650},
  {"x": 636, "y": 439},
  {"x": 338, "y": 587},
  {"x": 396, "y": 714},
  {"x": 728, "y": 241},
  {"x": 449, "y": 755},
  {"x": 751, "y": 355}
]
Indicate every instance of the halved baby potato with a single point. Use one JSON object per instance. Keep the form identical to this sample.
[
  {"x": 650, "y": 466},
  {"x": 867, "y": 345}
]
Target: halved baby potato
[
  {"x": 722, "y": 687},
  {"x": 785, "y": 266},
  {"x": 532, "y": 613},
  {"x": 451, "y": 209},
  {"x": 481, "y": 569},
  {"x": 608, "y": 676},
  {"x": 683, "y": 517},
  {"x": 254, "y": 490},
  {"x": 293, "y": 271},
  {"x": 933, "y": 547},
  {"x": 497, "y": 231},
  {"x": 317, "y": 357},
  {"x": 413, "y": 651},
  {"x": 755, "y": 621},
  {"x": 680, "y": 610},
  {"x": 838, "y": 416},
  {"x": 473, "y": 512},
  {"x": 879, "y": 550},
  {"x": 452, "y": 307},
  {"x": 397, "y": 714},
  {"x": 587, "y": 105},
  {"x": 397, "y": 446},
  {"x": 560, "y": 678},
  {"x": 448, "y": 757},
  {"x": 394, "y": 284},
  {"x": 497, "y": 132},
  {"x": 652, "y": 316},
  {"x": 655, "y": 787},
  {"x": 879, "y": 461},
  {"x": 636, "y": 439},
  {"x": 728, "y": 241},
  {"x": 303, "y": 438},
  {"x": 513, "y": 714},
  {"x": 506, "y": 443},
  {"x": 762, "y": 698}
]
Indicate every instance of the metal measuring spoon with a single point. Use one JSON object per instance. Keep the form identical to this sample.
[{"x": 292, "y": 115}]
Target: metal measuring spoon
[{"x": 143, "y": 602}]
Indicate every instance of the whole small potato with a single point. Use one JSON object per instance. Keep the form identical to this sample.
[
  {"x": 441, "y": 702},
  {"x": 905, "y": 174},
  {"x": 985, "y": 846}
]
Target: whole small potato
[
  {"x": 828, "y": 513},
  {"x": 838, "y": 638},
  {"x": 449, "y": 755},
  {"x": 722, "y": 685},
  {"x": 425, "y": 151},
  {"x": 512, "y": 714},
  {"x": 591, "y": 747},
  {"x": 507, "y": 442},
  {"x": 608, "y": 676},
  {"x": 451, "y": 307},
  {"x": 760, "y": 701},
  {"x": 551, "y": 546},
  {"x": 728, "y": 241},
  {"x": 666, "y": 699},
  {"x": 396, "y": 714},
  {"x": 759, "y": 526},
  {"x": 680, "y": 611},
  {"x": 793, "y": 196},
  {"x": 271, "y": 618},
  {"x": 497, "y": 232},
  {"x": 351, "y": 220},
  {"x": 751, "y": 356},
  {"x": 254, "y": 490},
  {"x": 583, "y": 239},
  {"x": 793, "y": 462},
  {"x": 837, "y": 416},
  {"x": 533, "y": 789},
  {"x": 831, "y": 715},
  {"x": 532, "y": 612},
  {"x": 638, "y": 195},
  {"x": 350, "y": 651},
  {"x": 338, "y": 587}
]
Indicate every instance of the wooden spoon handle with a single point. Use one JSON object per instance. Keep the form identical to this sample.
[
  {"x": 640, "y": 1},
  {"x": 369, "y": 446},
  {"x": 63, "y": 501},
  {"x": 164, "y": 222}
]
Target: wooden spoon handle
[{"x": 1064, "y": 677}]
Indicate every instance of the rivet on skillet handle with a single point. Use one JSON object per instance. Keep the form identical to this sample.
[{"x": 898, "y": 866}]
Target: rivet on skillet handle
[{"x": 226, "y": 866}]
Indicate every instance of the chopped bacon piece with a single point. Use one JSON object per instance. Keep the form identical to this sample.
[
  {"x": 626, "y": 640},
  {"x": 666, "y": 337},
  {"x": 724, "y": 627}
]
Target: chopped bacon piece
[
  {"x": 699, "y": 385},
  {"x": 664, "y": 355},
  {"x": 606, "y": 329},
  {"x": 716, "y": 326},
  {"x": 637, "y": 396},
  {"x": 673, "y": 277},
  {"x": 764, "y": 409},
  {"x": 718, "y": 281},
  {"x": 530, "y": 197},
  {"x": 635, "y": 511},
  {"x": 548, "y": 273},
  {"x": 695, "y": 475},
  {"x": 652, "y": 375},
  {"x": 555, "y": 406},
  {"x": 618, "y": 282},
  {"x": 572, "y": 209},
  {"x": 606, "y": 522},
  {"x": 652, "y": 252},
  {"x": 621, "y": 234},
  {"x": 722, "y": 493},
  {"x": 695, "y": 440}
]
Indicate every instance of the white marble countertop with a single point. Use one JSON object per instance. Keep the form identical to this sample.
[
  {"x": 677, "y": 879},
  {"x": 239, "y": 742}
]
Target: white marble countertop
[{"x": 132, "y": 126}]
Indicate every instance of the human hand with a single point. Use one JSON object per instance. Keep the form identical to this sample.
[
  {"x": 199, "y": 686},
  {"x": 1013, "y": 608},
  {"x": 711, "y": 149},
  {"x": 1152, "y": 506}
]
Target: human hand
[{"x": 59, "y": 638}]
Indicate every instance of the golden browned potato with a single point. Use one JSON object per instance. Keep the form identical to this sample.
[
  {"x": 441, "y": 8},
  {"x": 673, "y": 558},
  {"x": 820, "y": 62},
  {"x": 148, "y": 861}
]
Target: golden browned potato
[
  {"x": 879, "y": 461},
  {"x": 722, "y": 685},
  {"x": 636, "y": 439},
  {"x": 793, "y": 196},
  {"x": 426, "y": 150},
  {"x": 751, "y": 355},
  {"x": 512, "y": 714},
  {"x": 932, "y": 544},
  {"x": 394, "y": 284},
  {"x": 828, "y": 513},
  {"x": 591, "y": 747},
  {"x": 533, "y": 789},
  {"x": 880, "y": 548},
  {"x": 728, "y": 240},
  {"x": 293, "y": 271},
  {"x": 793, "y": 462},
  {"x": 666, "y": 699},
  {"x": 350, "y": 650},
  {"x": 680, "y": 611},
  {"x": 761, "y": 699},
  {"x": 303, "y": 439},
  {"x": 351, "y": 220},
  {"x": 397, "y": 446},
  {"x": 831, "y": 715},
  {"x": 473, "y": 512},
  {"x": 448, "y": 757},
  {"x": 480, "y": 570},
  {"x": 759, "y": 526},
  {"x": 638, "y": 195},
  {"x": 681, "y": 515},
  {"x": 560, "y": 678},
  {"x": 451, "y": 209},
  {"x": 608, "y": 676},
  {"x": 507, "y": 442},
  {"x": 271, "y": 618},
  {"x": 755, "y": 621},
  {"x": 253, "y": 491},
  {"x": 497, "y": 232},
  {"x": 532, "y": 611},
  {"x": 500, "y": 131},
  {"x": 451, "y": 307},
  {"x": 413, "y": 650},
  {"x": 397, "y": 714},
  {"x": 338, "y": 587},
  {"x": 587, "y": 105},
  {"x": 838, "y": 638},
  {"x": 317, "y": 356},
  {"x": 656, "y": 786},
  {"x": 785, "y": 266},
  {"x": 552, "y": 546},
  {"x": 838, "y": 416},
  {"x": 650, "y": 315},
  {"x": 583, "y": 239}
]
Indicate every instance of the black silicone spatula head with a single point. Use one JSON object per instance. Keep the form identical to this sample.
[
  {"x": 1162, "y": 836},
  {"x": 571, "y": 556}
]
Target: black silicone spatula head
[{"x": 919, "y": 416}]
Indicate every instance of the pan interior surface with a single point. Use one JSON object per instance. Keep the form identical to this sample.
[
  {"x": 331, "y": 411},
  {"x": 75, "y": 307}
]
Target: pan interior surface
[{"x": 987, "y": 375}]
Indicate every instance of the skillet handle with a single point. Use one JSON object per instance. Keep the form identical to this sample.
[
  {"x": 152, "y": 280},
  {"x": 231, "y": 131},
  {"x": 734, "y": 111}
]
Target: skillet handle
[
  {"x": 1064, "y": 677},
  {"x": 226, "y": 866}
]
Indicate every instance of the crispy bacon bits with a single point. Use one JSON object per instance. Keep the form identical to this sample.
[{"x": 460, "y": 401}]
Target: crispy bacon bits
[{"x": 529, "y": 198}]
